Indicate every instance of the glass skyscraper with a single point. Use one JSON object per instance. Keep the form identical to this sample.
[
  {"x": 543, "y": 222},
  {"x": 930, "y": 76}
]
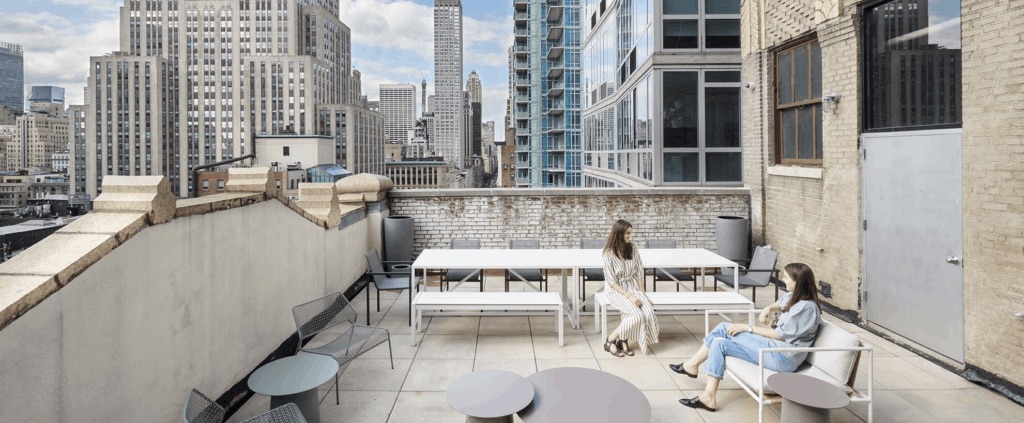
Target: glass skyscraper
[{"x": 12, "y": 76}]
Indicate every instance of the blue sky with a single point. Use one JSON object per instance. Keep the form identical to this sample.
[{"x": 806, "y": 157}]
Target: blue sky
[{"x": 392, "y": 42}]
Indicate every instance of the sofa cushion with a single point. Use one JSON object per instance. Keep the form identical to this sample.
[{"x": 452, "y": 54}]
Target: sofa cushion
[
  {"x": 837, "y": 364},
  {"x": 746, "y": 372}
]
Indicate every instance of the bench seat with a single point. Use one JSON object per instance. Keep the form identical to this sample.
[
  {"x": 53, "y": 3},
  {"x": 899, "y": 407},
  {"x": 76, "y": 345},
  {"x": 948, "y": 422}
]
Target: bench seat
[
  {"x": 673, "y": 303},
  {"x": 486, "y": 301}
]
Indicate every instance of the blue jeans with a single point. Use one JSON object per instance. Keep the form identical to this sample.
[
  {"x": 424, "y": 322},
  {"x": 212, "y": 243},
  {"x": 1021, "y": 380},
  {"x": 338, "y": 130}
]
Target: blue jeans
[{"x": 743, "y": 346}]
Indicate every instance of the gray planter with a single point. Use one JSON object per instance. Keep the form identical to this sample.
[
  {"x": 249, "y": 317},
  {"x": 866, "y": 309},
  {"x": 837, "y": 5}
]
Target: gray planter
[
  {"x": 732, "y": 234},
  {"x": 398, "y": 232}
]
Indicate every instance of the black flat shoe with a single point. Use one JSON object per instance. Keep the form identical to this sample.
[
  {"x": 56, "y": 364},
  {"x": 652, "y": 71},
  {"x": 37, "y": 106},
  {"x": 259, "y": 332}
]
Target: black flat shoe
[
  {"x": 678, "y": 368},
  {"x": 695, "y": 403},
  {"x": 608, "y": 345},
  {"x": 624, "y": 346}
]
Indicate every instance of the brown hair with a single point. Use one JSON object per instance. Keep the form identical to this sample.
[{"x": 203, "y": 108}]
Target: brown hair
[
  {"x": 805, "y": 286},
  {"x": 617, "y": 240}
]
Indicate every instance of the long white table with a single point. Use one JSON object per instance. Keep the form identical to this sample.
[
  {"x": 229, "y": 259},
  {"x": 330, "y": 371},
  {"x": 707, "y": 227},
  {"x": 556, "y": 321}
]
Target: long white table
[{"x": 572, "y": 259}]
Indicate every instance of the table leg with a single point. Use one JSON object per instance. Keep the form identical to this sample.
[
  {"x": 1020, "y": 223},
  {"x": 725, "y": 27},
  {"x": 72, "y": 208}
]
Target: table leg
[
  {"x": 502, "y": 419},
  {"x": 307, "y": 401},
  {"x": 794, "y": 412}
]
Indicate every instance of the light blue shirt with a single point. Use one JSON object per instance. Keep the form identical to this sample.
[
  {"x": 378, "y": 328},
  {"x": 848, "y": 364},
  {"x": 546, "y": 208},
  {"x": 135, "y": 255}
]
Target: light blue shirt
[{"x": 798, "y": 326}]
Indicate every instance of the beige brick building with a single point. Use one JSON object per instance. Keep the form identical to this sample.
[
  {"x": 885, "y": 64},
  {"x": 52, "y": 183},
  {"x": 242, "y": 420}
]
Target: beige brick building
[{"x": 847, "y": 183}]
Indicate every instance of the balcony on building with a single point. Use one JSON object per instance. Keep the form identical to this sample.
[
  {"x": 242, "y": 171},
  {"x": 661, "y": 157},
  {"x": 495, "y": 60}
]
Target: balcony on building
[
  {"x": 556, "y": 69},
  {"x": 556, "y": 107},
  {"x": 554, "y": 11},
  {"x": 555, "y": 33},
  {"x": 521, "y": 17},
  {"x": 555, "y": 51},
  {"x": 521, "y": 50},
  {"x": 555, "y": 89}
]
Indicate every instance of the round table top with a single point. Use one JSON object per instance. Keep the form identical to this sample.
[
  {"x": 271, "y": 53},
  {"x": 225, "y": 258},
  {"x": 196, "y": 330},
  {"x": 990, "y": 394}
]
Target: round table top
[
  {"x": 808, "y": 390},
  {"x": 576, "y": 394},
  {"x": 291, "y": 375},
  {"x": 489, "y": 393}
]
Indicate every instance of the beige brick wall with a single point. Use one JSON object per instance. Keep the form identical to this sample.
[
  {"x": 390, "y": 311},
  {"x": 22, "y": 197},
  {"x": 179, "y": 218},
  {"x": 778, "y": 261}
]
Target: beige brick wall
[
  {"x": 560, "y": 218},
  {"x": 993, "y": 180}
]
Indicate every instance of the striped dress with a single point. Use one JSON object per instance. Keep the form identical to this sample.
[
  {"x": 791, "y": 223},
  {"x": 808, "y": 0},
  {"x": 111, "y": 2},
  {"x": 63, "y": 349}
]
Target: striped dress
[{"x": 638, "y": 323}]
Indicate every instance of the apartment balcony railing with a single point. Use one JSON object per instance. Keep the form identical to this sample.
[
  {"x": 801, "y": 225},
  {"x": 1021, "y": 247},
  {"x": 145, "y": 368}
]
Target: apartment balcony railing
[
  {"x": 522, "y": 34},
  {"x": 555, "y": 33},
  {"x": 521, "y": 50},
  {"x": 556, "y": 90},
  {"x": 521, "y": 16},
  {"x": 555, "y": 51},
  {"x": 556, "y": 69},
  {"x": 522, "y": 81},
  {"x": 556, "y": 108},
  {"x": 521, "y": 4},
  {"x": 554, "y": 13}
]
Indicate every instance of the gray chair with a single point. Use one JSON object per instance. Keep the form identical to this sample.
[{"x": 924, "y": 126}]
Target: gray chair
[
  {"x": 464, "y": 275},
  {"x": 760, "y": 273},
  {"x": 388, "y": 281},
  {"x": 326, "y": 312},
  {"x": 669, "y": 275},
  {"x": 591, "y": 275},
  {"x": 200, "y": 409},
  {"x": 529, "y": 275}
]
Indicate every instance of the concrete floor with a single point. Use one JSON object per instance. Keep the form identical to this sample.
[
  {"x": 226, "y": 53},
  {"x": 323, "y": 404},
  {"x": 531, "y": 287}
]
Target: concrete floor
[{"x": 907, "y": 388}]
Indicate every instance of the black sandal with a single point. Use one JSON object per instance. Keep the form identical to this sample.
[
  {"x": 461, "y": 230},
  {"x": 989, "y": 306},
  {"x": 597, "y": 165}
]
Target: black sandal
[
  {"x": 623, "y": 344},
  {"x": 608, "y": 344}
]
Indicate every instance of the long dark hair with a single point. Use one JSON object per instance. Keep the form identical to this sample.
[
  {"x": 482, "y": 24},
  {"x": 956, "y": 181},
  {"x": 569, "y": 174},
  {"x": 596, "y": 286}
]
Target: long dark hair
[
  {"x": 806, "y": 288},
  {"x": 617, "y": 240}
]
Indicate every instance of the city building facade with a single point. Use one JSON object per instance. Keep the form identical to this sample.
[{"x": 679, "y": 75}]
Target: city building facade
[
  {"x": 661, "y": 93},
  {"x": 426, "y": 173},
  {"x": 546, "y": 110},
  {"x": 45, "y": 94},
  {"x": 398, "y": 105},
  {"x": 448, "y": 99},
  {"x": 76, "y": 144},
  {"x": 12, "y": 67},
  {"x": 476, "y": 97},
  {"x": 41, "y": 133}
]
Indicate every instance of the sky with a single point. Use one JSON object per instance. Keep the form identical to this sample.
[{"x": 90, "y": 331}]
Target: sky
[{"x": 392, "y": 42}]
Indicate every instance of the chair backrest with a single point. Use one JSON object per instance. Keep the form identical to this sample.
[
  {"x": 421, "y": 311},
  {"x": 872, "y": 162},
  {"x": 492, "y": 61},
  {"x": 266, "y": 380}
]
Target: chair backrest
[
  {"x": 201, "y": 409},
  {"x": 465, "y": 244},
  {"x": 288, "y": 413},
  {"x": 524, "y": 244},
  {"x": 313, "y": 317},
  {"x": 592, "y": 243},
  {"x": 841, "y": 365},
  {"x": 764, "y": 258},
  {"x": 373, "y": 260},
  {"x": 661, "y": 243}
]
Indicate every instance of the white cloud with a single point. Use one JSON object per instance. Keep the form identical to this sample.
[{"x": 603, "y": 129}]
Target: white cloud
[
  {"x": 56, "y": 50},
  {"x": 94, "y": 5},
  {"x": 400, "y": 25}
]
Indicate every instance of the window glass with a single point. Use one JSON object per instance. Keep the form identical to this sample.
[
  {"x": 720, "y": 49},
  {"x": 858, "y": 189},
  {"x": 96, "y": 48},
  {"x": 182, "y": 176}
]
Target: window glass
[
  {"x": 801, "y": 72},
  {"x": 681, "y": 33},
  {"x": 722, "y": 33},
  {"x": 681, "y": 110},
  {"x": 798, "y": 111},
  {"x": 789, "y": 133},
  {"x": 785, "y": 75},
  {"x": 722, "y": 116},
  {"x": 682, "y": 167},
  {"x": 731, "y": 76},
  {"x": 722, "y": 7},
  {"x": 723, "y": 167},
  {"x": 805, "y": 132},
  {"x": 679, "y": 7}
]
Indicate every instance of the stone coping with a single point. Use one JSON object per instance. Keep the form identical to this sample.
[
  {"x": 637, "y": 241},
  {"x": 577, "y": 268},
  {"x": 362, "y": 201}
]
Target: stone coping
[{"x": 553, "y": 192}]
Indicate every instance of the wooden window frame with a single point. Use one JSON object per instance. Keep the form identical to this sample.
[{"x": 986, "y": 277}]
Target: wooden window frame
[{"x": 780, "y": 107}]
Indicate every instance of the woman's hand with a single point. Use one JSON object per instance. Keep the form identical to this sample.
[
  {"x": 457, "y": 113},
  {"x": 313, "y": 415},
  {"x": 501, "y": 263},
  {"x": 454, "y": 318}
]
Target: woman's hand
[
  {"x": 636, "y": 300},
  {"x": 737, "y": 328},
  {"x": 765, "y": 315}
]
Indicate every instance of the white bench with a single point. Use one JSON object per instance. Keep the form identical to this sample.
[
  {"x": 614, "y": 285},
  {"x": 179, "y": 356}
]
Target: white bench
[
  {"x": 833, "y": 357},
  {"x": 674, "y": 303},
  {"x": 486, "y": 301}
]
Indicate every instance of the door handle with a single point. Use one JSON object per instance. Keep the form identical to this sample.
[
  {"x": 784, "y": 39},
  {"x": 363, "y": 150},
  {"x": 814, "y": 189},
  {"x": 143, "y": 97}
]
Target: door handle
[{"x": 953, "y": 260}]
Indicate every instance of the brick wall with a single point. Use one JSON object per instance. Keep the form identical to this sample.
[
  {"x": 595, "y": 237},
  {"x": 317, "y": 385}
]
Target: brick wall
[
  {"x": 561, "y": 217},
  {"x": 993, "y": 180}
]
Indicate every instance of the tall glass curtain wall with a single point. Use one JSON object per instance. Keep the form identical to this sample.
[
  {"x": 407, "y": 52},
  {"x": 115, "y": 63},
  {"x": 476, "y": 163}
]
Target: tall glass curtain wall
[
  {"x": 560, "y": 149},
  {"x": 699, "y": 115}
]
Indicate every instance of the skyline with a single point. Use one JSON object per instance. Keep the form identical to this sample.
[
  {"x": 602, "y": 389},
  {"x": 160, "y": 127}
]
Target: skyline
[{"x": 392, "y": 42}]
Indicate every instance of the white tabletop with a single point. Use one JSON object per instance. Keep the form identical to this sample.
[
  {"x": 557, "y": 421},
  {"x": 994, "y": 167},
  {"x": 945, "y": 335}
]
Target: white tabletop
[{"x": 561, "y": 258}]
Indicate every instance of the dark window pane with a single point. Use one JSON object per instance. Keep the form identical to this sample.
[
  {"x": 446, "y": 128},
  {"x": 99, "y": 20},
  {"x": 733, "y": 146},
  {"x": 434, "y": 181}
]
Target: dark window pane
[
  {"x": 680, "y": 33},
  {"x": 682, "y": 167},
  {"x": 723, "y": 167},
  {"x": 681, "y": 112},
  {"x": 722, "y": 7},
  {"x": 801, "y": 72},
  {"x": 785, "y": 78},
  {"x": 815, "y": 70},
  {"x": 805, "y": 132},
  {"x": 722, "y": 33},
  {"x": 722, "y": 76},
  {"x": 722, "y": 117},
  {"x": 680, "y": 7},
  {"x": 789, "y": 133},
  {"x": 817, "y": 132}
]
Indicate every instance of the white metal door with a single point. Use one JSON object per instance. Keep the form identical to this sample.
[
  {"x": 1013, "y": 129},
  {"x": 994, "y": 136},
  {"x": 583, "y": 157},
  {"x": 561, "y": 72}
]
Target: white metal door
[{"x": 913, "y": 237}]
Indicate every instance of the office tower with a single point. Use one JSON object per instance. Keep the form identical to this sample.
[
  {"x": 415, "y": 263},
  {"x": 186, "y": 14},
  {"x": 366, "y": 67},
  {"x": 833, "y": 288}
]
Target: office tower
[
  {"x": 423, "y": 97},
  {"x": 476, "y": 98},
  {"x": 41, "y": 133},
  {"x": 398, "y": 104},
  {"x": 76, "y": 145},
  {"x": 448, "y": 93},
  {"x": 234, "y": 71},
  {"x": 692, "y": 75},
  {"x": 45, "y": 94},
  {"x": 12, "y": 76},
  {"x": 547, "y": 89}
]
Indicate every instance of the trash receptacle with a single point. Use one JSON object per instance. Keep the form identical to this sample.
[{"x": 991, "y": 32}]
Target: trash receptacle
[
  {"x": 398, "y": 233},
  {"x": 732, "y": 237}
]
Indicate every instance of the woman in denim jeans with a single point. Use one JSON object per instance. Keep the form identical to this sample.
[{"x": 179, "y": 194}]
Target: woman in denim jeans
[{"x": 797, "y": 326}]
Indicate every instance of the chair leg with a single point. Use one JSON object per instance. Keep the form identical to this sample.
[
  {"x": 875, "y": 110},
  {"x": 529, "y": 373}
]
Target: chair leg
[
  {"x": 378, "y": 300},
  {"x": 753, "y": 294},
  {"x": 367, "y": 305},
  {"x": 390, "y": 354},
  {"x": 337, "y": 387}
]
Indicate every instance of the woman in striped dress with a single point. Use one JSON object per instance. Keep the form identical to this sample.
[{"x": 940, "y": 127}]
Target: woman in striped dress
[{"x": 623, "y": 275}]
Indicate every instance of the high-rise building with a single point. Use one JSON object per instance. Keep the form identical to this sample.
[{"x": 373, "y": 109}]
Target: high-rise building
[
  {"x": 661, "y": 93},
  {"x": 234, "y": 71},
  {"x": 398, "y": 104},
  {"x": 46, "y": 94},
  {"x": 449, "y": 103},
  {"x": 12, "y": 76},
  {"x": 76, "y": 145},
  {"x": 476, "y": 98},
  {"x": 41, "y": 133},
  {"x": 547, "y": 91}
]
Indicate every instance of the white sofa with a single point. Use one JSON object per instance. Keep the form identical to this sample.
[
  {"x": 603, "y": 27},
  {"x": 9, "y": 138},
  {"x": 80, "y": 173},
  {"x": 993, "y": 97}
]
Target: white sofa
[{"x": 833, "y": 357}]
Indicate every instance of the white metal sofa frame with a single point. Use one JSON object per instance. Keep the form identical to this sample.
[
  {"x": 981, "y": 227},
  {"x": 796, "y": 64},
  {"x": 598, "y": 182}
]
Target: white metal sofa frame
[{"x": 757, "y": 392}]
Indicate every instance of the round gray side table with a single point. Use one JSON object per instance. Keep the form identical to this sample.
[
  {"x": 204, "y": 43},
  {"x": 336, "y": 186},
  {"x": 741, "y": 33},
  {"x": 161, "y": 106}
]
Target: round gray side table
[
  {"x": 489, "y": 396},
  {"x": 576, "y": 394},
  {"x": 806, "y": 399},
  {"x": 295, "y": 379}
]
